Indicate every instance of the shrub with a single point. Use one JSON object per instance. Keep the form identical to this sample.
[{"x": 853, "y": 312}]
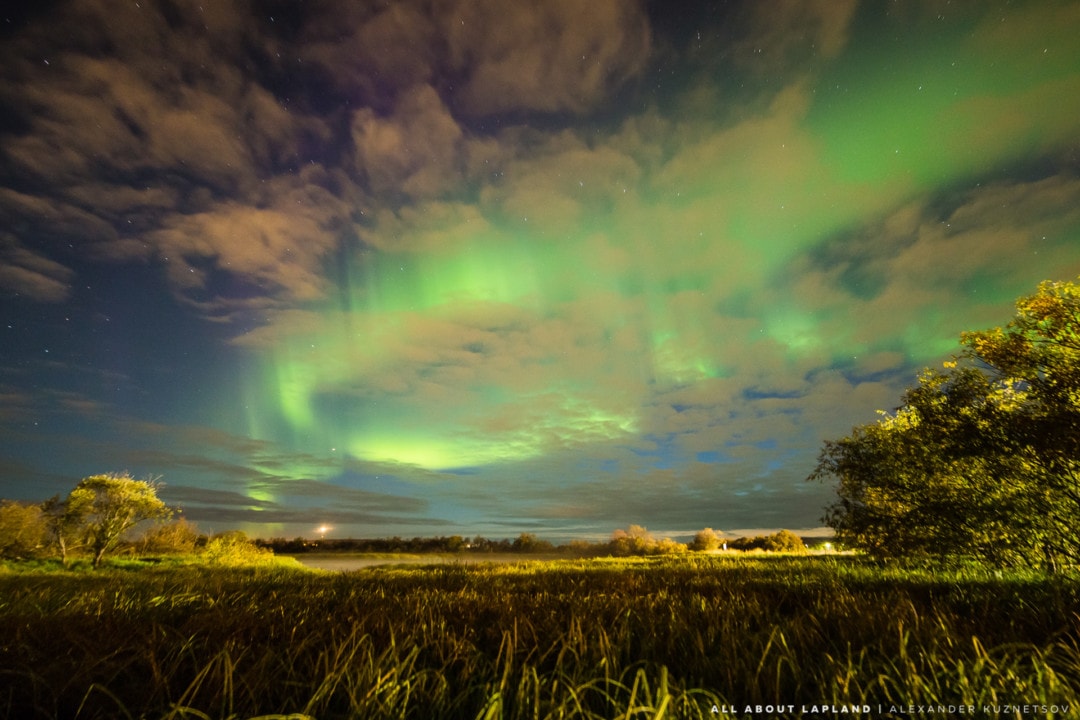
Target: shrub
[
  {"x": 24, "y": 532},
  {"x": 178, "y": 537},
  {"x": 234, "y": 548},
  {"x": 784, "y": 541},
  {"x": 529, "y": 543},
  {"x": 636, "y": 540},
  {"x": 706, "y": 540},
  {"x": 748, "y": 543}
]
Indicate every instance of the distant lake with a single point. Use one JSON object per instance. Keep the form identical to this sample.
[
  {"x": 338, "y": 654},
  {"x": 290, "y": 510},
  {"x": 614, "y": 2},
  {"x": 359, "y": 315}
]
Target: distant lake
[{"x": 345, "y": 562}]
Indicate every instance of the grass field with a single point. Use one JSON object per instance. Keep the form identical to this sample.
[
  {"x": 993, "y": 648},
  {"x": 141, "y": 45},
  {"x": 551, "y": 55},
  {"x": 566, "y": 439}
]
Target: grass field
[{"x": 692, "y": 636}]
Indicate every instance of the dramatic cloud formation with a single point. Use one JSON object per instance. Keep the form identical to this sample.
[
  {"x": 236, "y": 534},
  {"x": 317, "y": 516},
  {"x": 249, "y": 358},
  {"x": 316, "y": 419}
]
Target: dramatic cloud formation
[{"x": 474, "y": 267}]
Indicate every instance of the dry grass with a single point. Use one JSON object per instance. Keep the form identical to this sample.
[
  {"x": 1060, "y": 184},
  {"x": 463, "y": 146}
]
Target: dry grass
[{"x": 642, "y": 638}]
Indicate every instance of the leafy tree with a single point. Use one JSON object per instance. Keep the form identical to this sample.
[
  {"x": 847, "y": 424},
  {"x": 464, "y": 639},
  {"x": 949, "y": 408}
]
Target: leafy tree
[
  {"x": 65, "y": 520},
  {"x": 1038, "y": 354},
  {"x": 23, "y": 530},
  {"x": 110, "y": 505},
  {"x": 636, "y": 540},
  {"x": 780, "y": 541},
  {"x": 529, "y": 543},
  {"x": 784, "y": 541},
  {"x": 705, "y": 540},
  {"x": 178, "y": 537},
  {"x": 581, "y": 548},
  {"x": 745, "y": 544},
  {"x": 983, "y": 456},
  {"x": 667, "y": 546}
]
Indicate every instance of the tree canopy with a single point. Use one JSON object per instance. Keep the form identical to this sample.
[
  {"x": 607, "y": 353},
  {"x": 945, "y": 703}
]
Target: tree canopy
[
  {"x": 110, "y": 505},
  {"x": 95, "y": 516},
  {"x": 23, "y": 532},
  {"x": 982, "y": 458}
]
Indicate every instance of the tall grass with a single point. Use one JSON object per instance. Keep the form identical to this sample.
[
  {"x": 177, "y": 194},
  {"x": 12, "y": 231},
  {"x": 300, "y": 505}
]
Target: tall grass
[{"x": 642, "y": 638}]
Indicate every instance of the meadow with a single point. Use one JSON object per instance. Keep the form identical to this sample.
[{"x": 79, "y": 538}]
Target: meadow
[{"x": 693, "y": 636}]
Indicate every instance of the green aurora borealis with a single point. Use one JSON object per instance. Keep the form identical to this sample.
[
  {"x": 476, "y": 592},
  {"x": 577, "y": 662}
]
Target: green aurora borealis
[{"x": 433, "y": 306}]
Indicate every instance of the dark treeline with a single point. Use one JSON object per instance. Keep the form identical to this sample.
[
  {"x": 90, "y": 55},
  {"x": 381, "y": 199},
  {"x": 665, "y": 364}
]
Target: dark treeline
[
  {"x": 524, "y": 543},
  {"x": 634, "y": 541}
]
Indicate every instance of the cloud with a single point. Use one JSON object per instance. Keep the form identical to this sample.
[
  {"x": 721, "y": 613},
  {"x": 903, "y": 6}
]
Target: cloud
[
  {"x": 234, "y": 251},
  {"x": 47, "y": 221},
  {"x": 782, "y": 34},
  {"x": 485, "y": 58},
  {"x": 228, "y": 509},
  {"x": 146, "y": 161},
  {"x": 557, "y": 186},
  {"x": 367, "y": 53},
  {"x": 311, "y": 492},
  {"x": 15, "y": 404},
  {"x": 943, "y": 264},
  {"x": 134, "y": 157},
  {"x": 195, "y": 436},
  {"x": 25, "y": 272},
  {"x": 281, "y": 494},
  {"x": 101, "y": 114},
  {"x": 426, "y": 227},
  {"x": 416, "y": 151},
  {"x": 559, "y": 56}
]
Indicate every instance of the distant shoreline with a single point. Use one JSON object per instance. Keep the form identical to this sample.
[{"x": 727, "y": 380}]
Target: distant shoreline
[{"x": 346, "y": 561}]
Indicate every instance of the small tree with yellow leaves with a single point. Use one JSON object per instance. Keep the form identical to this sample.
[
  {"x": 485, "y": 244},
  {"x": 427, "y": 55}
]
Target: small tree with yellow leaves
[{"x": 110, "y": 505}]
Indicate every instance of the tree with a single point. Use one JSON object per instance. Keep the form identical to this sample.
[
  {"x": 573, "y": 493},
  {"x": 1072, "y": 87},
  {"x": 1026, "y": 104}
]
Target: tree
[
  {"x": 705, "y": 540},
  {"x": 23, "y": 530},
  {"x": 780, "y": 541},
  {"x": 529, "y": 543},
  {"x": 784, "y": 541},
  {"x": 64, "y": 520},
  {"x": 1038, "y": 352},
  {"x": 746, "y": 544},
  {"x": 983, "y": 457},
  {"x": 637, "y": 540},
  {"x": 178, "y": 537},
  {"x": 112, "y": 504}
]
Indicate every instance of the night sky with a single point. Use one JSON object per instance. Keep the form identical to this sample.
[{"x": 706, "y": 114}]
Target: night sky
[{"x": 435, "y": 267}]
